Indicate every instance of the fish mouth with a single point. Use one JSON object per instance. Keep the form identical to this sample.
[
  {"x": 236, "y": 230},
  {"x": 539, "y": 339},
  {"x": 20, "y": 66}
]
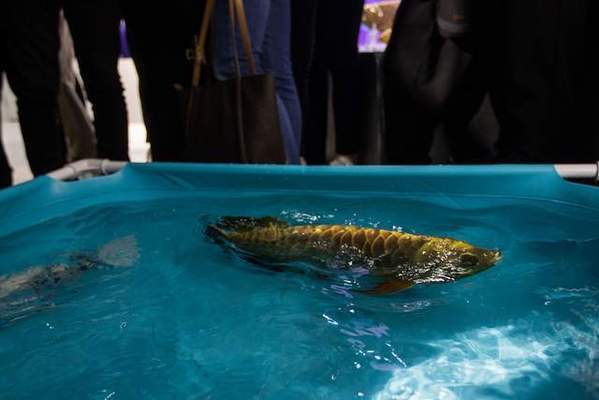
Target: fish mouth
[
  {"x": 497, "y": 256},
  {"x": 493, "y": 257}
]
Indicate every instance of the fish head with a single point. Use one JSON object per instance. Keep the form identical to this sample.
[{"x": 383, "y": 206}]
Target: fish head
[
  {"x": 472, "y": 259},
  {"x": 458, "y": 258}
]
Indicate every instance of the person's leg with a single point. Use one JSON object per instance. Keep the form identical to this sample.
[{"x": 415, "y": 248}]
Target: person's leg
[
  {"x": 341, "y": 52},
  {"x": 258, "y": 14},
  {"x": 465, "y": 103},
  {"x": 223, "y": 54},
  {"x": 592, "y": 66},
  {"x": 291, "y": 145},
  {"x": 76, "y": 122},
  {"x": 277, "y": 59},
  {"x": 95, "y": 31},
  {"x": 159, "y": 38},
  {"x": 303, "y": 37},
  {"x": 409, "y": 130},
  {"x": 33, "y": 74},
  {"x": 519, "y": 93},
  {"x": 5, "y": 171},
  {"x": 465, "y": 148},
  {"x": 314, "y": 139},
  {"x": 544, "y": 86},
  {"x": 315, "y": 129},
  {"x": 575, "y": 98}
]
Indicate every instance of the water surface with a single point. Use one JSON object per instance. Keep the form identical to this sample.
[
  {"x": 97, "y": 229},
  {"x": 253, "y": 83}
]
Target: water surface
[{"x": 189, "y": 320}]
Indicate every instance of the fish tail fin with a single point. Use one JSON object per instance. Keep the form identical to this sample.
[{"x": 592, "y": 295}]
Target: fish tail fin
[{"x": 121, "y": 252}]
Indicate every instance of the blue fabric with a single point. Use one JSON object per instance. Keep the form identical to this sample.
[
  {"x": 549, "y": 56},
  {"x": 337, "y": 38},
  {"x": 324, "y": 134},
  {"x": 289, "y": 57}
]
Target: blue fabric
[
  {"x": 278, "y": 60},
  {"x": 269, "y": 25},
  {"x": 467, "y": 187}
]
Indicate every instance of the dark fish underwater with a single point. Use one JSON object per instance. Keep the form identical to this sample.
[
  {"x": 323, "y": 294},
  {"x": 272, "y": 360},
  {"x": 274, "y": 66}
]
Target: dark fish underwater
[
  {"x": 22, "y": 293},
  {"x": 398, "y": 260}
]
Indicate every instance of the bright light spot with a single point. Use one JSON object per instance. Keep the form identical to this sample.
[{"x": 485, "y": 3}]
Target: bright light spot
[
  {"x": 330, "y": 320},
  {"x": 487, "y": 356}
]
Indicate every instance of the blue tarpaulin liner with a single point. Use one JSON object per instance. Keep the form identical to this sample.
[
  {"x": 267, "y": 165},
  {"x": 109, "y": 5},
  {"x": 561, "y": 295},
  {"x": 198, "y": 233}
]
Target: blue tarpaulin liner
[
  {"x": 192, "y": 319},
  {"x": 45, "y": 198}
]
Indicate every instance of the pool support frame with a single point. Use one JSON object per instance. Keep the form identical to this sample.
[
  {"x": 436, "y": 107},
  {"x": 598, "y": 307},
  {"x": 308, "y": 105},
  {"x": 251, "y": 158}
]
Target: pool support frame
[{"x": 94, "y": 167}]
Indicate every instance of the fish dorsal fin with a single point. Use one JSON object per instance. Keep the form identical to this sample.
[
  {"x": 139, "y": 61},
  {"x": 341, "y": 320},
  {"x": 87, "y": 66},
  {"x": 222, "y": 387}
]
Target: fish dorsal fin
[{"x": 241, "y": 224}]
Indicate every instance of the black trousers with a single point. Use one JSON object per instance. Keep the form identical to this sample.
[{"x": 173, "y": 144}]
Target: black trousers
[
  {"x": 545, "y": 81},
  {"x": 94, "y": 27},
  {"x": 29, "y": 57},
  {"x": 160, "y": 38},
  {"x": 430, "y": 80},
  {"x": 537, "y": 60},
  {"x": 5, "y": 171},
  {"x": 325, "y": 41}
]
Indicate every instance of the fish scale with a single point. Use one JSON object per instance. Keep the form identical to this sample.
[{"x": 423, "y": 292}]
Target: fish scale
[
  {"x": 402, "y": 258},
  {"x": 371, "y": 242}
]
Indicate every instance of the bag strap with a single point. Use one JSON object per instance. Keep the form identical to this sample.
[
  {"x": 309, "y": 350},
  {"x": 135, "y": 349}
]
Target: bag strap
[
  {"x": 245, "y": 35},
  {"x": 200, "y": 50},
  {"x": 235, "y": 8}
]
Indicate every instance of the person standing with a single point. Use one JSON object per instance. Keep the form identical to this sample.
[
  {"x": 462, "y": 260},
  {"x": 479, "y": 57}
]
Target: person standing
[
  {"x": 545, "y": 80},
  {"x": 76, "y": 122},
  {"x": 325, "y": 41},
  {"x": 269, "y": 28},
  {"x": 536, "y": 59},
  {"x": 29, "y": 56},
  {"x": 94, "y": 27},
  {"x": 160, "y": 40}
]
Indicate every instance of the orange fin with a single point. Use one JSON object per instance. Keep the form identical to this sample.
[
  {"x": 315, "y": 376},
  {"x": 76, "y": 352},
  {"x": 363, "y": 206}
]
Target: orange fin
[{"x": 390, "y": 286}]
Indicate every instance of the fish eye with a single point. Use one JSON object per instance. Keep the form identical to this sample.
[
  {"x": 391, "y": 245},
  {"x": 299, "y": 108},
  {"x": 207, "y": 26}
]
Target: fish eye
[{"x": 469, "y": 259}]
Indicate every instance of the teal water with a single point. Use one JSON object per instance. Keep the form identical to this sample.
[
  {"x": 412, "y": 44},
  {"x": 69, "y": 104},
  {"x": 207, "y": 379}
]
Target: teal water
[{"x": 191, "y": 321}]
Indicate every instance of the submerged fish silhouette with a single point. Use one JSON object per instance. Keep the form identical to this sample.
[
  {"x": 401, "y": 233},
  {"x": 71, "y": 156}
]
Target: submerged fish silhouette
[
  {"x": 399, "y": 259},
  {"x": 121, "y": 252}
]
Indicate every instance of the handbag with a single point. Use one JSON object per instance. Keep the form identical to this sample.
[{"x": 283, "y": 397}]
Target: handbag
[{"x": 236, "y": 120}]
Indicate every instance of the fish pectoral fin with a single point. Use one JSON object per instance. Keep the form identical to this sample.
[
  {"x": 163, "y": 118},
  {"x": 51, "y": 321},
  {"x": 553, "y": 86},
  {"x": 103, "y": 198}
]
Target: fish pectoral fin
[
  {"x": 389, "y": 286},
  {"x": 263, "y": 263}
]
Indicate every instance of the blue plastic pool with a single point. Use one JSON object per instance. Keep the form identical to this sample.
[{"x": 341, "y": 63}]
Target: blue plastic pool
[{"x": 189, "y": 320}]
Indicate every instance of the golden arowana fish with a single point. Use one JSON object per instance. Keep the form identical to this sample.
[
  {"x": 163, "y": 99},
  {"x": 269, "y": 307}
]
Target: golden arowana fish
[{"x": 399, "y": 259}]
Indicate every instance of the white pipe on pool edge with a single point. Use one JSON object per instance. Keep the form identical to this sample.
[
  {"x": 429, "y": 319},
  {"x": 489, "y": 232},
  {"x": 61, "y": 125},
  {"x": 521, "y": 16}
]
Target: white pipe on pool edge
[
  {"x": 105, "y": 167},
  {"x": 81, "y": 167},
  {"x": 578, "y": 171}
]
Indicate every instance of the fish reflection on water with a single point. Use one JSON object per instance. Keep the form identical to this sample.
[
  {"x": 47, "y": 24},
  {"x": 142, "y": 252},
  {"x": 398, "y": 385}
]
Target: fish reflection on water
[
  {"x": 399, "y": 260},
  {"x": 19, "y": 289}
]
